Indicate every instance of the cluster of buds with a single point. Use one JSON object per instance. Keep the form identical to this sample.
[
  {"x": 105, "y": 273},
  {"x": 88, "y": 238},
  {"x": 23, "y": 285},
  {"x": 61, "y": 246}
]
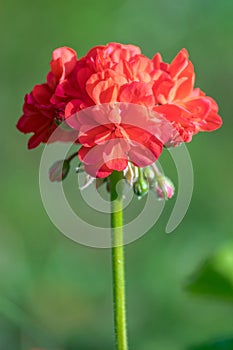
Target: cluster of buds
[
  {"x": 149, "y": 178},
  {"x": 141, "y": 180}
]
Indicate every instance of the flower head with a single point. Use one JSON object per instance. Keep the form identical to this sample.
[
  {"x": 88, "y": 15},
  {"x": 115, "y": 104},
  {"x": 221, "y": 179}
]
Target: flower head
[{"x": 125, "y": 106}]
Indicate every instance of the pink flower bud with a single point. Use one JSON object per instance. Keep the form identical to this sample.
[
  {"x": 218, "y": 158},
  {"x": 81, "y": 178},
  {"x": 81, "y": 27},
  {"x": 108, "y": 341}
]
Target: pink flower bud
[
  {"x": 59, "y": 170},
  {"x": 164, "y": 187}
]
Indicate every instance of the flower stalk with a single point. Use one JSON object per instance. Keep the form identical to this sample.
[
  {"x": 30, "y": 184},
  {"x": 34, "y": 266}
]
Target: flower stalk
[{"x": 118, "y": 266}]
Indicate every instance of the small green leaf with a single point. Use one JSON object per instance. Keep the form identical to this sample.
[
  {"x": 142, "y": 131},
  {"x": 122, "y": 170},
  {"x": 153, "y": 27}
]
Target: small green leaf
[{"x": 215, "y": 277}]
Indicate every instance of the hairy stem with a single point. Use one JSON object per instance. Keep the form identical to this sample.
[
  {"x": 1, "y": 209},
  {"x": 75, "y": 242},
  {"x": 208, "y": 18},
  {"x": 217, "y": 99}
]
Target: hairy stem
[{"x": 118, "y": 268}]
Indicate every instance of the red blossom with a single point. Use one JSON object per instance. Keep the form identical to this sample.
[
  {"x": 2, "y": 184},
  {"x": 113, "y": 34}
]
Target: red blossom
[
  {"x": 188, "y": 109},
  {"x": 113, "y": 134},
  {"x": 118, "y": 73},
  {"x": 41, "y": 115}
]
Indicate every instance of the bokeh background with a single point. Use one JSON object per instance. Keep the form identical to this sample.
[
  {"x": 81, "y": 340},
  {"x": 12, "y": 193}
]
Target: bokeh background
[{"x": 56, "y": 294}]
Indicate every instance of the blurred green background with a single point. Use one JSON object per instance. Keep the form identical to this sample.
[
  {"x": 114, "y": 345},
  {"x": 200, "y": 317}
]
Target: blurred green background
[{"x": 56, "y": 294}]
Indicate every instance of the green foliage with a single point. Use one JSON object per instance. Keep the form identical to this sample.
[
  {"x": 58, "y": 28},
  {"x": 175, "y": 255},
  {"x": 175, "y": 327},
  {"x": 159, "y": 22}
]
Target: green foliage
[
  {"x": 215, "y": 277},
  {"x": 225, "y": 344}
]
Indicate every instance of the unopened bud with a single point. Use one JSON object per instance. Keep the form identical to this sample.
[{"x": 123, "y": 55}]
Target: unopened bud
[
  {"x": 59, "y": 170},
  {"x": 164, "y": 187},
  {"x": 141, "y": 186},
  {"x": 149, "y": 175},
  {"x": 131, "y": 174}
]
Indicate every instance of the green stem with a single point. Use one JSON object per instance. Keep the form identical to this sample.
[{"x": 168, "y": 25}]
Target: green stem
[
  {"x": 72, "y": 156},
  {"x": 118, "y": 260}
]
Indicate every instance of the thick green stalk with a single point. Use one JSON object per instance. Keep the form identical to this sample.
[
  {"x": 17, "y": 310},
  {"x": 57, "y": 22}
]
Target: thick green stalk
[{"x": 118, "y": 268}]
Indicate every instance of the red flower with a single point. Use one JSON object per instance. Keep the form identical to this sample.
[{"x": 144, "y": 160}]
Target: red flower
[
  {"x": 101, "y": 64},
  {"x": 62, "y": 64},
  {"x": 40, "y": 114},
  {"x": 114, "y": 75},
  {"x": 188, "y": 109},
  {"x": 112, "y": 135},
  {"x": 108, "y": 56}
]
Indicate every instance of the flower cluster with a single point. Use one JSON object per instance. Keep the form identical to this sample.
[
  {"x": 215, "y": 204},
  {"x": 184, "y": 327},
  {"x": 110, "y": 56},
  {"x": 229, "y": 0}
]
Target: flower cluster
[{"x": 118, "y": 77}]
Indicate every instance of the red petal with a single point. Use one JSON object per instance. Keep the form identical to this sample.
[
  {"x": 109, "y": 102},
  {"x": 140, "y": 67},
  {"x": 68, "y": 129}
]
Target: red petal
[
  {"x": 94, "y": 136},
  {"x": 103, "y": 86},
  {"x": 71, "y": 114},
  {"x": 34, "y": 141},
  {"x": 179, "y": 63},
  {"x": 115, "y": 154},
  {"x": 32, "y": 123},
  {"x": 99, "y": 172},
  {"x": 138, "y": 93},
  {"x": 93, "y": 160},
  {"x": 157, "y": 59},
  {"x": 212, "y": 122},
  {"x": 63, "y": 62},
  {"x": 198, "y": 107},
  {"x": 170, "y": 111},
  {"x": 143, "y": 155},
  {"x": 187, "y": 78},
  {"x": 42, "y": 94}
]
